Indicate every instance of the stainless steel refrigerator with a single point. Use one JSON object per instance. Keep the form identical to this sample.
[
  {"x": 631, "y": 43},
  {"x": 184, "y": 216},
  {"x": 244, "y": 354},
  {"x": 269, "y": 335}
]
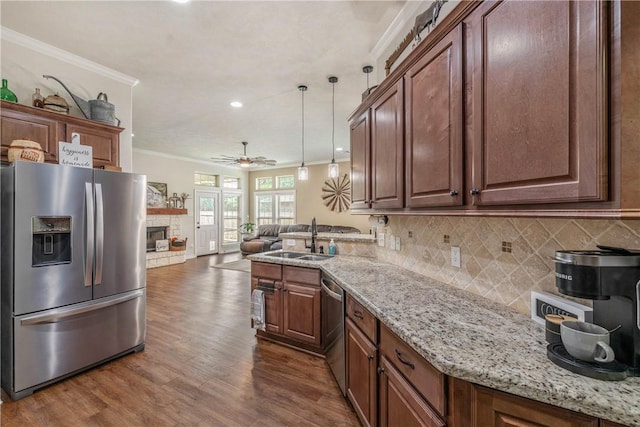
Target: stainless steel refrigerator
[{"x": 73, "y": 271}]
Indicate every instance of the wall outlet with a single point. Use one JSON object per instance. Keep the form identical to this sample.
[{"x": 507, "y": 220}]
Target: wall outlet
[
  {"x": 397, "y": 243},
  {"x": 381, "y": 239},
  {"x": 455, "y": 256},
  {"x": 392, "y": 242}
]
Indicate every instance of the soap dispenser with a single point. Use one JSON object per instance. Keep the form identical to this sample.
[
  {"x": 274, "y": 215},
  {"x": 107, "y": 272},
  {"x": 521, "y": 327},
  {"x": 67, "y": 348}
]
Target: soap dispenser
[{"x": 332, "y": 247}]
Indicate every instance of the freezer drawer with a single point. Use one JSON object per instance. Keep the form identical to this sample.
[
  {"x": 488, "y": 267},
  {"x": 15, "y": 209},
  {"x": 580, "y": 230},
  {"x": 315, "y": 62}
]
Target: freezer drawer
[{"x": 54, "y": 343}]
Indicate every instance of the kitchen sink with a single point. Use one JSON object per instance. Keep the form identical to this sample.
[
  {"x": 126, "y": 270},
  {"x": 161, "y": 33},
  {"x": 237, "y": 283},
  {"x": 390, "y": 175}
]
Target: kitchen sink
[
  {"x": 315, "y": 257},
  {"x": 287, "y": 254}
]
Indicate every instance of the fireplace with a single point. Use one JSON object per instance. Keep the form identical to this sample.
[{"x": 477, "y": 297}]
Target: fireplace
[{"x": 153, "y": 234}]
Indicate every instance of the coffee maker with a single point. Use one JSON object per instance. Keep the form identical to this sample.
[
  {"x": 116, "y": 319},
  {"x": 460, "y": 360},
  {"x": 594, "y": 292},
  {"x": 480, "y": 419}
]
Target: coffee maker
[{"x": 611, "y": 278}]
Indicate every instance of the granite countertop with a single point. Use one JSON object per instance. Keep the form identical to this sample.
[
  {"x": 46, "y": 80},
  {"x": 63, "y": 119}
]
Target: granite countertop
[
  {"x": 474, "y": 339},
  {"x": 338, "y": 237}
]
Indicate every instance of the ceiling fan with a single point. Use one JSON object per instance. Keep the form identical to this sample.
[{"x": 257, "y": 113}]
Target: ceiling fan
[{"x": 244, "y": 160}]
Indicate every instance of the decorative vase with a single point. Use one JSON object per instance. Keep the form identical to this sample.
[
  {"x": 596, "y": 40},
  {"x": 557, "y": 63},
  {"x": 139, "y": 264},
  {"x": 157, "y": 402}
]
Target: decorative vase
[
  {"x": 6, "y": 94},
  {"x": 37, "y": 99}
]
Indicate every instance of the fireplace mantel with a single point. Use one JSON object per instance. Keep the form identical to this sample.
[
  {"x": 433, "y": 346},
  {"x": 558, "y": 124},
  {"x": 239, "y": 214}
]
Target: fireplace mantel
[{"x": 166, "y": 211}]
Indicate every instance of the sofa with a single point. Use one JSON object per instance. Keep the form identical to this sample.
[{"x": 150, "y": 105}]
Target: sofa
[{"x": 268, "y": 237}]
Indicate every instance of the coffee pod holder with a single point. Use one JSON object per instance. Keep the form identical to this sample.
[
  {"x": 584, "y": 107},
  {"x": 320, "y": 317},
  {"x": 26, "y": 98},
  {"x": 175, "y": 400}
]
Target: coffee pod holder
[{"x": 613, "y": 371}]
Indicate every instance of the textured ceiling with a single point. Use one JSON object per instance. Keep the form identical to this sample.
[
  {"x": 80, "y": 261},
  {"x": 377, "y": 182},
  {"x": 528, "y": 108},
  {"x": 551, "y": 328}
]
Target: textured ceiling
[{"x": 193, "y": 59}]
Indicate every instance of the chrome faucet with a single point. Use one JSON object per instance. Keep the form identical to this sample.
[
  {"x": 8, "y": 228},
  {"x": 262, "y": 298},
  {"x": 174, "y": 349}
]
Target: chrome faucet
[{"x": 314, "y": 234}]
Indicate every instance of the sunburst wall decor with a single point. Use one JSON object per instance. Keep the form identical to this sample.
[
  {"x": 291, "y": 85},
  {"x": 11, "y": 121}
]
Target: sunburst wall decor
[{"x": 336, "y": 193}]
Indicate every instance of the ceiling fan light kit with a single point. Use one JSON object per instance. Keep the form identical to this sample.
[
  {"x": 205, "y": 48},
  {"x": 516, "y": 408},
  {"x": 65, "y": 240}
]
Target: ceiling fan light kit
[
  {"x": 334, "y": 168},
  {"x": 245, "y": 161},
  {"x": 303, "y": 171}
]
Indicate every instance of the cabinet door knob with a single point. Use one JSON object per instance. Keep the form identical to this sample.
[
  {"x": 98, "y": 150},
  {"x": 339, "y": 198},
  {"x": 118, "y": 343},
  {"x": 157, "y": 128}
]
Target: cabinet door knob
[
  {"x": 380, "y": 370},
  {"x": 453, "y": 193},
  {"x": 474, "y": 192},
  {"x": 370, "y": 357}
]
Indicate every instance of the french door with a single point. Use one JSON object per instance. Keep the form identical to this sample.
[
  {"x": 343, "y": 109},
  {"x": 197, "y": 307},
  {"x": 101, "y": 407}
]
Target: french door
[{"x": 207, "y": 205}]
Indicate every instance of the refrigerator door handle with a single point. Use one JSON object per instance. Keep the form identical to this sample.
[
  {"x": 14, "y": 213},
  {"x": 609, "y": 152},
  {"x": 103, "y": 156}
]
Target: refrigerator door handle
[
  {"x": 88, "y": 262},
  {"x": 99, "y": 233},
  {"x": 53, "y": 316}
]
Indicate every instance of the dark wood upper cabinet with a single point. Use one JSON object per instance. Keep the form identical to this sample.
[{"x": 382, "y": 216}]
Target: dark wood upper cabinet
[
  {"x": 48, "y": 128},
  {"x": 360, "y": 162},
  {"x": 387, "y": 149},
  {"x": 434, "y": 126},
  {"x": 537, "y": 108}
]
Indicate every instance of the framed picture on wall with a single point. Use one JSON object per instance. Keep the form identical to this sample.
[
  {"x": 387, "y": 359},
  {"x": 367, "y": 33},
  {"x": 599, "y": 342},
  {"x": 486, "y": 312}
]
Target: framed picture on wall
[{"x": 156, "y": 194}]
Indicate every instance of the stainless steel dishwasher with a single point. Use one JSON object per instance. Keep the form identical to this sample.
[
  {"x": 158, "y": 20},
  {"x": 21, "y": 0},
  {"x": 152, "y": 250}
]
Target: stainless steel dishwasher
[{"x": 333, "y": 327}]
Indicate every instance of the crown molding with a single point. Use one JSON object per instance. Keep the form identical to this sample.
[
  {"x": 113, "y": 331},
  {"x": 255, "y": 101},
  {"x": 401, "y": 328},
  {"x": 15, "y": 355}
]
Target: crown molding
[
  {"x": 68, "y": 57},
  {"x": 396, "y": 30}
]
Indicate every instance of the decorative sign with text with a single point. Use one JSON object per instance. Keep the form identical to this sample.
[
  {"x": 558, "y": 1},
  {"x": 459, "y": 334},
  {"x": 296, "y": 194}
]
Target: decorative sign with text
[{"x": 74, "y": 154}]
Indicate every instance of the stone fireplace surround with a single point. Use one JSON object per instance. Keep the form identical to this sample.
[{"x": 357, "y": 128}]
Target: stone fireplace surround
[{"x": 160, "y": 259}]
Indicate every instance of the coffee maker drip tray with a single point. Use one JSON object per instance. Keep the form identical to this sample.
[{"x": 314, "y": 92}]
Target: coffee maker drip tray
[{"x": 613, "y": 371}]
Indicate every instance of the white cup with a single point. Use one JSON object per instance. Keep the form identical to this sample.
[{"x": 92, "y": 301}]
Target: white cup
[{"x": 586, "y": 341}]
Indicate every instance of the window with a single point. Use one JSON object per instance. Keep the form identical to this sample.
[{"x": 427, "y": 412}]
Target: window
[
  {"x": 231, "y": 182},
  {"x": 230, "y": 218},
  {"x": 285, "y": 181},
  {"x": 276, "y": 207},
  {"x": 264, "y": 183},
  {"x": 205, "y": 180}
]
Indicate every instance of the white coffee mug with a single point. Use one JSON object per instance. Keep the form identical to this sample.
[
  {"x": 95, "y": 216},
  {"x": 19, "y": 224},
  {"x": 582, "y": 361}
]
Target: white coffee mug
[{"x": 586, "y": 341}]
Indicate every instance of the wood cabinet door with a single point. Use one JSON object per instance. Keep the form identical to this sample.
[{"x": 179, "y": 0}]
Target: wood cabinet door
[
  {"x": 400, "y": 404},
  {"x": 361, "y": 367},
  {"x": 434, "y": 126},
  {"x": 272, "y": 304},
  {"x": 537, "y": 108},
  {"x": 105, "y": 143},
  {"x": 360, "y": 162},
  {"x": 19, "y": 125},
  {"x": 302, "y": 313},
  {"x": 387, "y": 149},
  {"x": 494, "y": 408}
]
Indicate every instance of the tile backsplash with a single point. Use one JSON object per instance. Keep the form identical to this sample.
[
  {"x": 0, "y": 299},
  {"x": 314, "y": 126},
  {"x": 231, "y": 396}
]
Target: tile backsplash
[{"x": 502, "y": 259}]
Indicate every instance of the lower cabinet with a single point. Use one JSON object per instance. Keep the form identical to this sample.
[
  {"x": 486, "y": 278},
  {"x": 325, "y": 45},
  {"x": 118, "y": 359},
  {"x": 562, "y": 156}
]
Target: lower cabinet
[
  {"x": 292, "y": 303},
  {"x": 400, "y": 404},
  {"x": 361, "y": 363},
  {"x": 477, "y": 406}
]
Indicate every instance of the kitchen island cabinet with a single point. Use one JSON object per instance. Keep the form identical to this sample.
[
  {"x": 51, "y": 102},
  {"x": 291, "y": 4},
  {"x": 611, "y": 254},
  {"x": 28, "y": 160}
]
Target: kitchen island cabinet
[
  {"x": 48, "y": 127},
  {"x": 292, "y": 304},
  {"x": 460, "y": 344}
]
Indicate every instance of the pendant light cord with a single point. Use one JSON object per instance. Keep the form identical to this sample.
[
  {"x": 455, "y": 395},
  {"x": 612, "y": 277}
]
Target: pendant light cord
[
  {"x": 302, "y": 91},
  {"x": 333, "y": 124}
]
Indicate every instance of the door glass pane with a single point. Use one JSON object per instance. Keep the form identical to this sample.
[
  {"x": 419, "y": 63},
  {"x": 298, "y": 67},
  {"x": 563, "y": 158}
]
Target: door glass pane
[
  {"x": 231, "y": 215},
  {"x": 207, "y": 211}
]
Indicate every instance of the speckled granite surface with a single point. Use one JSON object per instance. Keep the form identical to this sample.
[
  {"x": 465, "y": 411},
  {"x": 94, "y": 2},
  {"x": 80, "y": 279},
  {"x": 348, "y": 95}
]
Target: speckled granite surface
[
  {"x": 475, "y": 339},
  {"x": 338, "y": 237}
]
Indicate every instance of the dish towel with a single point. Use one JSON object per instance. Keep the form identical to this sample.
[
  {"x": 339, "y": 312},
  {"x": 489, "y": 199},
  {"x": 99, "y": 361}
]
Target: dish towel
[{"x": 257, "y": 309}]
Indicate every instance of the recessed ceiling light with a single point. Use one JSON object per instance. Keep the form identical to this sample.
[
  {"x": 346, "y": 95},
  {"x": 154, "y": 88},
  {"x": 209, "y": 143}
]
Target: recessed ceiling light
[
  {"x": 339, "y": 148},
  {"x": 132, "y": 135},
  {"x": 181, "y": 1},
  {"x": 236, "y": 104}
]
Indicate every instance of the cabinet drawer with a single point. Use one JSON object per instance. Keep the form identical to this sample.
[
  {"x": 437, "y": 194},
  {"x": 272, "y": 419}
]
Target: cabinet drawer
[
  {"x": 266, "y": 270},
  {"x": 363, "y": 318},
  {"x": 307, "y": 276},
  {"x": 426, "y": 379}
]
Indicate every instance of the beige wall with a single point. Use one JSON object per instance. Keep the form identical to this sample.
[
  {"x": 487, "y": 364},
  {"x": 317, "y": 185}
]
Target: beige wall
[
  {"x": 23, "y": 68},
  {"x": 308, "y": 197},
  {"x": 507, "y": 278}
]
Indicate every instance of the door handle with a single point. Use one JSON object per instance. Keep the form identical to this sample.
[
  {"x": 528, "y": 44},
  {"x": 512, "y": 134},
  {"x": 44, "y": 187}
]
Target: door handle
[
  {"x": 99, "y": 233},
  {"x": 88, "y": 262}
]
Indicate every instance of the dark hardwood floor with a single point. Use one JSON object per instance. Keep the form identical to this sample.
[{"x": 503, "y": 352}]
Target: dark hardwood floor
[{"x": 202, "y": 365}]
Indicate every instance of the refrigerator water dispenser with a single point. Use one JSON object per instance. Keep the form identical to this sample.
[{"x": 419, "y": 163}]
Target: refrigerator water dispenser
[{"x": 51, "y": 240}]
